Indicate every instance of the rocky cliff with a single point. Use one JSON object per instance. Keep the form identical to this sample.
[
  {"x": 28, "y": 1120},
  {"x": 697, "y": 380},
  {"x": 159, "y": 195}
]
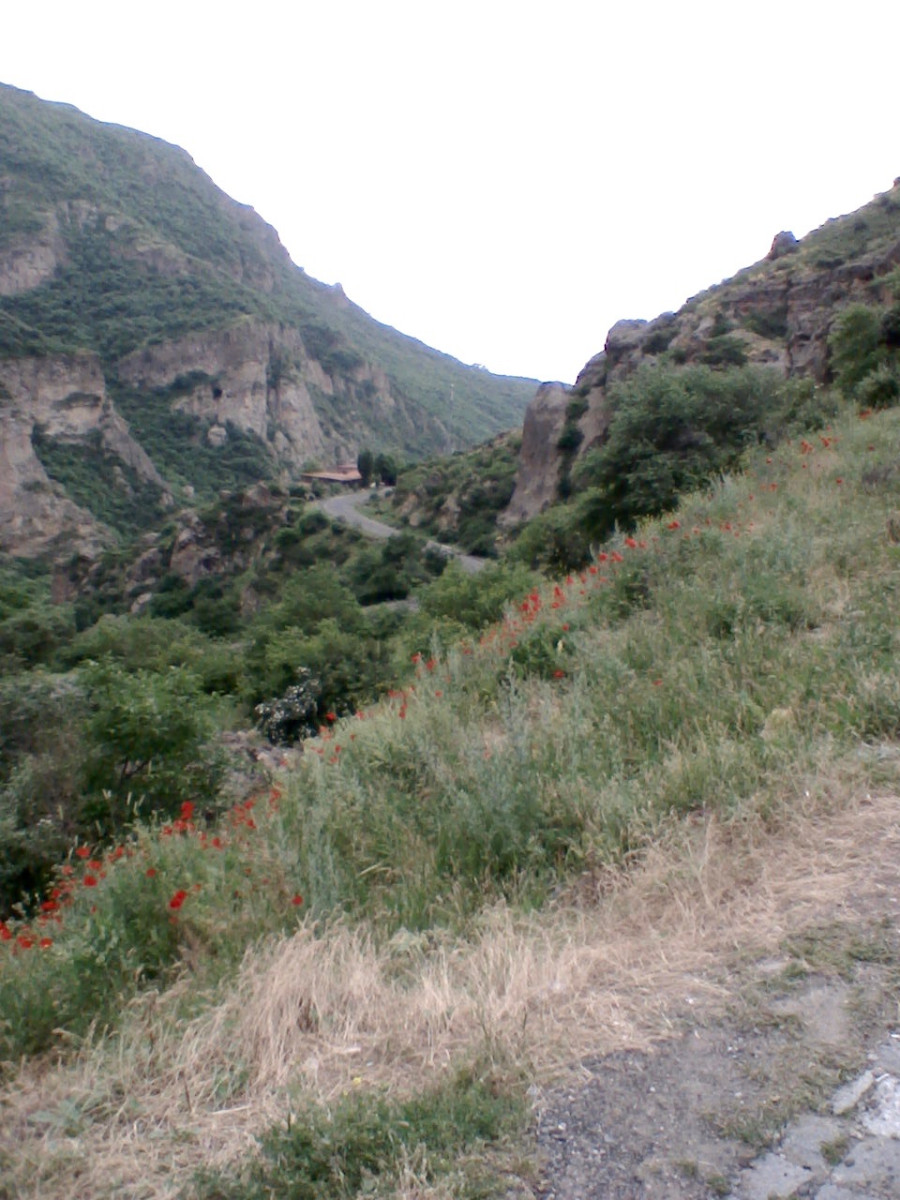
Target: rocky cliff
[
  {"x": 776, "y": 314},
  {"x": 143, "y": 311},
  {"x": 61, "y": 397}
]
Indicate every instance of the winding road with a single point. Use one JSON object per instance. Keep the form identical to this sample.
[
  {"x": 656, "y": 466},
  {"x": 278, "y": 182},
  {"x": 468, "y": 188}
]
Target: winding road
[{"x": 346, "y": 506}]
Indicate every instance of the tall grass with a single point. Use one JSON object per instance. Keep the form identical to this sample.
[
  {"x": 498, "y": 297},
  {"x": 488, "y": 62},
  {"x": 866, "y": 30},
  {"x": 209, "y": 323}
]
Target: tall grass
[{"x": 720, "y": 668}]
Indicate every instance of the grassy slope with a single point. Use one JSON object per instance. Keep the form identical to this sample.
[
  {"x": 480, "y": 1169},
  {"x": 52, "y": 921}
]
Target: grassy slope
[
  {"x": 103, "y": 298},
  {"x": 732, "y": 667}
]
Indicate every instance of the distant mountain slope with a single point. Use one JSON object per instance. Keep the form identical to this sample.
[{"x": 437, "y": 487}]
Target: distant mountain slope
[{"x": 116, "y": 248}]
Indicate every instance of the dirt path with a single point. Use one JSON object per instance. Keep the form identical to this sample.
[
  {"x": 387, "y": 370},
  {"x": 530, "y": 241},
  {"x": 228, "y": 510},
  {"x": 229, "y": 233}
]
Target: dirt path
[
  {"x": 346, "y": 507},
  {"x": 792, "y": 1091}
]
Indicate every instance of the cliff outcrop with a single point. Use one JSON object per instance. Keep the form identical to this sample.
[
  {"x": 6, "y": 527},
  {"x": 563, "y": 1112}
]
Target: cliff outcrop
[
  {"x": 63, "y": 398},
  {"x": 776, "y": 314}
]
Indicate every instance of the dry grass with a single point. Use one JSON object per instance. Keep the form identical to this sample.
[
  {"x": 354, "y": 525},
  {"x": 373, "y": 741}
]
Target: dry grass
[{"x": 621, "y": 960}]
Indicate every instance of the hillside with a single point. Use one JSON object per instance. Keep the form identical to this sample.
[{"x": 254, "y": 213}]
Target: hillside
[
  {"x": 778, "y": 317},
  {"x": 658, "y": 795},
  {"x": 142, "y": 309}
]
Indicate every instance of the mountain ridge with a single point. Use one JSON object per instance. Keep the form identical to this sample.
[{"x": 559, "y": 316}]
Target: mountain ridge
[{"x": 114, "y": 244}]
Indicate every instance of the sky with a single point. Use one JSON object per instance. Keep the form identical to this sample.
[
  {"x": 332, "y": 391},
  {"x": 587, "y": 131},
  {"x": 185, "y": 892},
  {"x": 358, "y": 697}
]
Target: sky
[{"x": 502, "y": 180}]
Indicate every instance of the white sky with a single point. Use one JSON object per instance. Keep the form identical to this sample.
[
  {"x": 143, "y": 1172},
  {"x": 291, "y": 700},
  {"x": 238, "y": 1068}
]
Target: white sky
[{"x": 502, "y": 180}]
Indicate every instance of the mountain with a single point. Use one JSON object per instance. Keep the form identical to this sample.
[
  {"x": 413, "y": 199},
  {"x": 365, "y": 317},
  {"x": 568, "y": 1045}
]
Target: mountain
[
  {"x": 156, "y": 339},
  {"x": 779, "y": 314}
]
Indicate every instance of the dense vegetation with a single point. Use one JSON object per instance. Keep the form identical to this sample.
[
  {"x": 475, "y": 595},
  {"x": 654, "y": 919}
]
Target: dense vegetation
[
  {"x": 458, "y": 499},
  {"x": 717, "y": 660}
]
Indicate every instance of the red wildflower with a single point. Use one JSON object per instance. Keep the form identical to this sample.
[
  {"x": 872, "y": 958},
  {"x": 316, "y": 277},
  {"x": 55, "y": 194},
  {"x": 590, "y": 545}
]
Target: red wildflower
[
  {"x": 49, "y": 906},
  {"x": 297, "y": 900},
  {"x": 25, "y": 941},
  {"x": 330, "y": 716},
  {"x": 150, "y": 872},
  {"x": 89, "y": 881},
  {"x": 178, "y": 899},
  {"x": 187, "y": 810},
  {"x": 83, "y": 851},
  {"x": 674, "y": 525},
  {"x": 5, "y": 933},
  {"x": 631, "y": 543},
  {"x": 558, "y": 673}
]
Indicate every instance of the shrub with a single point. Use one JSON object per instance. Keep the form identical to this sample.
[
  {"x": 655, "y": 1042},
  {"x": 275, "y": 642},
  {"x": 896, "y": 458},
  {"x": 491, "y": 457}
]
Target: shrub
[
  {"x": 856, "y": 346},
  {"x": 672, "y": 431},
  {"x": 146, "y": 744}
]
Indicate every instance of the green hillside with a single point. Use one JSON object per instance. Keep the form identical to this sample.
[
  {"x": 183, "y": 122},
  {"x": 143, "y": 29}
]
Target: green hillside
[
  {"x": 150, "y": 250},
  {"x": 721, "y": 672}
]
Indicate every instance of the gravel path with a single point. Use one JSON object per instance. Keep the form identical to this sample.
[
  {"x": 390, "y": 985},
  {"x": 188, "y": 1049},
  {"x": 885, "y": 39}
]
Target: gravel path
[{"x": 795, "y": 1095}]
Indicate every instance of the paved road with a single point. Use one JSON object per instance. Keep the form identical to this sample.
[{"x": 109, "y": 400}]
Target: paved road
[{"x": 346, "y": 506}]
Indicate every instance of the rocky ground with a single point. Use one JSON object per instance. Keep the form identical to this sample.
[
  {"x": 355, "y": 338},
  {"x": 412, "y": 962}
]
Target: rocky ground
[{"x": 792, "y": 1092}]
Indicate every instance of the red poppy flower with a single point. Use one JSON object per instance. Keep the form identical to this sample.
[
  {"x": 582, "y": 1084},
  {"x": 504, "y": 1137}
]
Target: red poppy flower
[
  {"x": 297, "y": 900},
  {"x": 45, "y": 943},
  {"x": 178, "y": 899},
  {"x": 25, "y": 941},
  {"x": 89, "y": 881},
  {"x": 5, "y": 933},
  {"x": 83, "y": 851},
  {"x": 150, "y": 872},
  {"x": 187, "y": 810}
]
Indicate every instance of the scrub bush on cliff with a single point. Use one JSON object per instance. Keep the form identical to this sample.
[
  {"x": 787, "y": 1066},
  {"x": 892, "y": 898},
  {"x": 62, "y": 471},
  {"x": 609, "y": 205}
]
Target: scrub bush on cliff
[{"x": 673, "y": 431}]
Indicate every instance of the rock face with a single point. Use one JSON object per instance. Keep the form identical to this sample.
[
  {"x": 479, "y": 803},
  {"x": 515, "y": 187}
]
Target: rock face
[
  {"x": 63, "y": 397},
  {"x": 242, "y": 380},
  {"x": 776, "y": 314},
  {"x": 27, "y": 261},
  {"x": 539, "y": 460}
]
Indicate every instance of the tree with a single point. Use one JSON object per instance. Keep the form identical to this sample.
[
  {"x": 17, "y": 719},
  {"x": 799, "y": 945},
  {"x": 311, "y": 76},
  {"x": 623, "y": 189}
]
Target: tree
[
  {"x": 365, "y": 464},
  {"x": 386, "y": 469},
  {"x": 147, "y": 749}
]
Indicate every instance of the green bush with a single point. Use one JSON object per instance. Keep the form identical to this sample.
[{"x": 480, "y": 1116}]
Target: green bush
[
  {"x": 147, "y": 745},
  {"x": 856, "y": 346},
  {"x": 672, "y": 431}
]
